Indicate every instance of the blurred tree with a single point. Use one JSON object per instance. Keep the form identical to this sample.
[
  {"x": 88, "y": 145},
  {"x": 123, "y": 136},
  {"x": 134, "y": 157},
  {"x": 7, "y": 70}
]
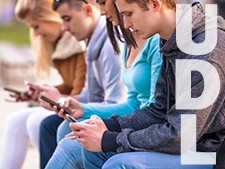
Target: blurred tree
[{"x": 16, "y": 33}]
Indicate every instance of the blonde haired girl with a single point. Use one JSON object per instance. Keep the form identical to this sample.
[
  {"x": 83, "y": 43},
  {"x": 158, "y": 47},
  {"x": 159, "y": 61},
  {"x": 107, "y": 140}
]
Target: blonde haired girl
[{"x": 53, "y": 47}]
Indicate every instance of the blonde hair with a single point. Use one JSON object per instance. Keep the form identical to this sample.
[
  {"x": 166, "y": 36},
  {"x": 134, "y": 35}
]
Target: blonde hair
[{"x": 39, "y": 10}]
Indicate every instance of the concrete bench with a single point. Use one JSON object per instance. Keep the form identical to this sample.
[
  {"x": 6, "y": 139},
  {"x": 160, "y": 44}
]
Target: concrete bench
[{"x": 16, "y": 64}]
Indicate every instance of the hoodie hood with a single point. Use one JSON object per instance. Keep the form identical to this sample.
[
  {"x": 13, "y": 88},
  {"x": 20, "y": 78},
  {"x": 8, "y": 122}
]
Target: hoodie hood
[
  {"x": 67, "y": 46},
  {"x": 97, "y": 40},
  {"x": 170, "y": 48}
]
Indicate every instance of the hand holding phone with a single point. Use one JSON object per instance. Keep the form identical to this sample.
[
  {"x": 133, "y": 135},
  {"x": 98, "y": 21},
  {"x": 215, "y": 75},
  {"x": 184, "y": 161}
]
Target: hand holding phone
[
  {"x": 71, "y": 118},
  {"x": 52, "y": 103},
  {"x": 32, "y": 87},
  {"x": 18, "y": 94},
  {"x": 45, "y": 90}
]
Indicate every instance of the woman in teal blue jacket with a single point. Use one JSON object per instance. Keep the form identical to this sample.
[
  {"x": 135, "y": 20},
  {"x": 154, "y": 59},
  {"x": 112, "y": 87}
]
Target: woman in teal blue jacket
[
  {"x": 139, "y": 77},
  {"x": 140, "y": 71}
]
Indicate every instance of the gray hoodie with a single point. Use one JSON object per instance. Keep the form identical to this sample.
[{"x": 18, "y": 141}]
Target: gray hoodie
[
  {"x": 158, "y": 126},
  {"x": 103, "y": 78}
]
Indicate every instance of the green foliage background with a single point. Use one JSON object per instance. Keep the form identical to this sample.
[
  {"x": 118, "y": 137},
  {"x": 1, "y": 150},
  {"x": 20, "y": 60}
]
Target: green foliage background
[{"x": 15, "y": 33}]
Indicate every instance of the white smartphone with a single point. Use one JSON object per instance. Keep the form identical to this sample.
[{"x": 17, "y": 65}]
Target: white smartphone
[{"x": 71, "y": 118}]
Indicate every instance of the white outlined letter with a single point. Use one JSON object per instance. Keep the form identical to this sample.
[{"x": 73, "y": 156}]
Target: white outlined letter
[
  {"x": 188, "y": 144},
  {"x": 183, "y": 84},
  {"x": 184, "y": 30}
]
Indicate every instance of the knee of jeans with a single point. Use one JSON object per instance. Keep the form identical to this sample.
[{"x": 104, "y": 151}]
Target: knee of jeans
[
  {"x": 13, "y": 119},
  {"x": 88, "y": 156},
  {"x": 115, "y": 162},
  {"x": 62, "y": 130},
  {"x": 15, "y": 123},
  {"x": 18, "y": 117},
  {"x": 59, "y": 133},
  {"x": 69, "y": 146},
  {"x": 31, "y": 122},
  {"x": 33, "y": 126}
]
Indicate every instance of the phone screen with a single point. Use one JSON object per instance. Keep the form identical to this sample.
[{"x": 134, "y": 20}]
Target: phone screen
[{"x": 71, "y": 118}]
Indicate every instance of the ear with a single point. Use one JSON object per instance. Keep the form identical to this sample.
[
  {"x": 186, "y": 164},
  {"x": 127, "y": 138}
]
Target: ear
[
  {"x": 156, "y": 4},
  {"x": 88, "y": 10}
]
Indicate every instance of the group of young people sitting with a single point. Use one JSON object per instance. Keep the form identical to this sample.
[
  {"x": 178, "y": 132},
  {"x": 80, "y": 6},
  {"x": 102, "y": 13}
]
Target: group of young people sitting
[{"x": 132, "y": 70}]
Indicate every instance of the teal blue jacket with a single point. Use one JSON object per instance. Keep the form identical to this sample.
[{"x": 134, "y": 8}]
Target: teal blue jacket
[{"x": 140, "y": 79}]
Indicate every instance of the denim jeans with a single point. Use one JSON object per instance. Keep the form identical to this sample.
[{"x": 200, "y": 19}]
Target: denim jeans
[
  {"x": 64, "y": 129},
  {"x": 68, "y": 151},
  {"x": 67, "y": 155},
  {"x": 135, "y": 160},
  {"x": 47, "y": 134}
]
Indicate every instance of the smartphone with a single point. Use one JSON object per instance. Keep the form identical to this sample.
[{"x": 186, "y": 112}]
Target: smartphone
[
  {"x": 12, "y": 90},
  {"x": 52, "y": 103},
  {"x": 16, "y": 91},
  {"x": 71, "y": 118}
]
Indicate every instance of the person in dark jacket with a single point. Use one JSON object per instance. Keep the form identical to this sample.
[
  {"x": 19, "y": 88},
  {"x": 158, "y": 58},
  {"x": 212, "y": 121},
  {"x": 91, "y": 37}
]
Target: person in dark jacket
[{"x": 151, "y": 137}]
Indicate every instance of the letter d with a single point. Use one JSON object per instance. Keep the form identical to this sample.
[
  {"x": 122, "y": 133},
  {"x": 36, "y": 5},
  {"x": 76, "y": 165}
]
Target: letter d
[{"x": 183, "y": 84}]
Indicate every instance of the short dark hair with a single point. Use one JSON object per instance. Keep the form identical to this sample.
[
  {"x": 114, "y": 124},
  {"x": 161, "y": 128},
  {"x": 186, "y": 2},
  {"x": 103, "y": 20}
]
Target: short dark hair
[{"x": 75, "y": 4}]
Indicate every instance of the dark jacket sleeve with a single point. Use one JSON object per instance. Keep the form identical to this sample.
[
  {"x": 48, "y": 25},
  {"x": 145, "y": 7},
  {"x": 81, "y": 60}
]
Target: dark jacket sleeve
[
  {"x": 154, "y": 128},
  {"x": 138, "y": 119}
]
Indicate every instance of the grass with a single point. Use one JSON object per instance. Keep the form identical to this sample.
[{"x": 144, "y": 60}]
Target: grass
[{"x": 15, "y": 33}]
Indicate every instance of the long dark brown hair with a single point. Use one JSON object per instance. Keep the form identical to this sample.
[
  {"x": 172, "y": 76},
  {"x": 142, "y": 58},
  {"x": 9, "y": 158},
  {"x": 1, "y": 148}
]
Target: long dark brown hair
[{"x": 127, "y": 35}]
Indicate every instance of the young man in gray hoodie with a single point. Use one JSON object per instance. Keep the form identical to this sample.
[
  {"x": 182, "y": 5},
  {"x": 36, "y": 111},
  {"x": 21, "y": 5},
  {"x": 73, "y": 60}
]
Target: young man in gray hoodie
[{"x": 157, "y": 127}]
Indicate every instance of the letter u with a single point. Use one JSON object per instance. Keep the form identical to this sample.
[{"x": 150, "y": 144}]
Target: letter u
[{"x": 184, "y": 29}]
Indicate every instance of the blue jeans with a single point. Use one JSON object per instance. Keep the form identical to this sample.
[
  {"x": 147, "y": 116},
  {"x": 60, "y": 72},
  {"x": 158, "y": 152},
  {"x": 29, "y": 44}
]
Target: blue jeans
[
  {"x": 47, "y": 137},
  {"x": 68, "y": 151},
  {"x": 64, "y": 129},
  {"x": 67, "y": 155},
  {"x": 135, "y": 160}
]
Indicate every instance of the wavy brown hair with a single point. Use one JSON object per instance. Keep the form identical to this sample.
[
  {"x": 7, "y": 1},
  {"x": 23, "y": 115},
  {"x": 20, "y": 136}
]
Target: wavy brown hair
[{"x": 170, "y": 4}]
